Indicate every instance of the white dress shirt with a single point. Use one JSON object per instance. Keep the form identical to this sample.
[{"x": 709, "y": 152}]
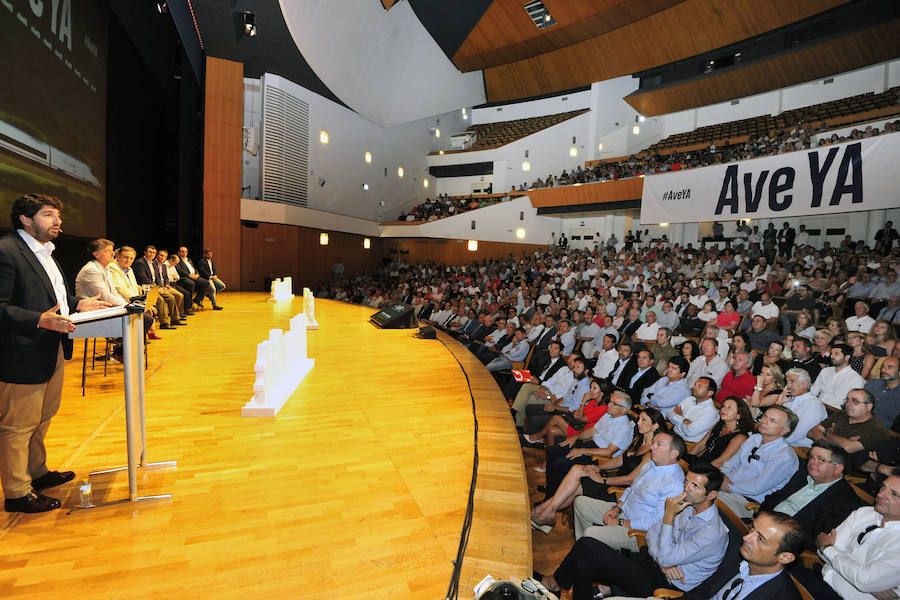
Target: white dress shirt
[
  {"x": 862, "y": 324},
  {"x": 605, "y": 361},
  {"x": 832, "y": 386},
  {"x": 856, "y": 569},
  {"x": 715, "y": 369},
  {"x": 702, "y": 417},
  {"x": 811, "y": 412},
  {"x": 44, "y": 253}
]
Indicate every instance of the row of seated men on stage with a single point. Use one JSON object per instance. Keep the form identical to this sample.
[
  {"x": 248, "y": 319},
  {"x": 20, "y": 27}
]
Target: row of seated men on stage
[
  {"x": 116, "y": 275},
  {"x": 763, "y": 426}
]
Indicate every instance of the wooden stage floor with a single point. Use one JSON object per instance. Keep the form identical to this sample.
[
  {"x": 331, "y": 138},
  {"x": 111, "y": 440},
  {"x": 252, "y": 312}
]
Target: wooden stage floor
[{"x": 356, "y": 490}]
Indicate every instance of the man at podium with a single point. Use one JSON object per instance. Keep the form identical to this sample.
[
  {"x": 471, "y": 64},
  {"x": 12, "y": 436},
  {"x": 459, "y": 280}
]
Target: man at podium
[{"x": 34, "y": 306}]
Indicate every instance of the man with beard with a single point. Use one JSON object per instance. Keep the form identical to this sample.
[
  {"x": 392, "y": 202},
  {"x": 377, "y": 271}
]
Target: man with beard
[{"x": 35, "y": 304}]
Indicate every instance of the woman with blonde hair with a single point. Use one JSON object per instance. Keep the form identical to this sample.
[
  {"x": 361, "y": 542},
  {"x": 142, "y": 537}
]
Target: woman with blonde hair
[
  {"x": 804, "y": 327},
  {"x": 822, "y": 346}
]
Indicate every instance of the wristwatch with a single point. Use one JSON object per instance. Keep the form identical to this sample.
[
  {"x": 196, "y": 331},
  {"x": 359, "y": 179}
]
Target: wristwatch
[{"x": 621, "y": 522}]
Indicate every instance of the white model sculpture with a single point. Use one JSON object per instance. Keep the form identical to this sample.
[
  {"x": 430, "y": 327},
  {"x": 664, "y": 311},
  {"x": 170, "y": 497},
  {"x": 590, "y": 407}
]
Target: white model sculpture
[
  {"x": 309, "y": 309},
  {"x": 282, "y": 289},
  {"x": 281, "y": 364}
]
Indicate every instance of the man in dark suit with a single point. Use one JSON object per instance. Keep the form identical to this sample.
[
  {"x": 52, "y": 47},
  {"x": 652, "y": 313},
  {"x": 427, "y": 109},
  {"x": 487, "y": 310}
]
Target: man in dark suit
[
  {"x": 540, "y": 355},
  {"x": 802, "y": 497},
  {"x": 786, "y": 237},
  {"x": 207, "y": 269},
  {"x": 34, "y": 306},
  {"x": 202, "y": 287},
  {"x": 540, "y": 373},
  {"x": 147, "y": 273},
  {"x": 757, "y": 570},
  {"x": 638, "y": 375}
]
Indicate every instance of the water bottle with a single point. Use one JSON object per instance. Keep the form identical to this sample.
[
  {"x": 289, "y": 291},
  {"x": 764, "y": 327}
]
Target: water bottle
[{"x": 86, "y": 498}]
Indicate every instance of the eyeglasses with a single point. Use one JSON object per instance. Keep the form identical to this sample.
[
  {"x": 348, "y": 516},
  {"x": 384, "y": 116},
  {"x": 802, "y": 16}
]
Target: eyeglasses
[
  {"x": 850, "y": 400},
  {"x": 813, "y": 457},
  {"x": 621, "y": 405}
]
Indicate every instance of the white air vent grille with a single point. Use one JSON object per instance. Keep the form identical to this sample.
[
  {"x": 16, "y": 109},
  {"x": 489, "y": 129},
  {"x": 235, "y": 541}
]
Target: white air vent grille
[{"x": 284, "y": 156}]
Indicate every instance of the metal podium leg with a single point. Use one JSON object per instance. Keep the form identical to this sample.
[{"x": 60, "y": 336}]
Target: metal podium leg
[{"x": 135, "y": 423}]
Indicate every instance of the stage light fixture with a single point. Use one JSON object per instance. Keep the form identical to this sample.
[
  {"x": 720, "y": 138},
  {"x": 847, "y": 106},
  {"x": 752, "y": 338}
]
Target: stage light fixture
[
  {"x": 323, "y": 137},
  {"x": 473, "y": 245},
  {"x": 368, "y": 157},
  {"x": 367, "y": 243},
  {"x": 323, "y": 239},
  {"x": 249, "y": 23}
]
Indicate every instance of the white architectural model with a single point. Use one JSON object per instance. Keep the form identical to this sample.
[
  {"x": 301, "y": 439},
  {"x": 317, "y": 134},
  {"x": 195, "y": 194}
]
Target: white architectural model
[
  {"x": 282, "y": 289},
  {"x": 281, "y": 364},
  {"x": 309, "y": 308}
]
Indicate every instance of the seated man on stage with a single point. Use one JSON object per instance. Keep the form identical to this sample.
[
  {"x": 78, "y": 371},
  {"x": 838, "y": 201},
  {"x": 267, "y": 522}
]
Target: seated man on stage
[
  {"x": 683, "y": 549},
  {"x": 122, "y": 278},
  {"x": 185, "y": 285},
  {"x": 180, "y": 292},
  {"x": 146, "y": 273},
  {"x": 207, "y": 269},
  {"x": 202, "y": 286},
  {"x": 763, "y": 464}
]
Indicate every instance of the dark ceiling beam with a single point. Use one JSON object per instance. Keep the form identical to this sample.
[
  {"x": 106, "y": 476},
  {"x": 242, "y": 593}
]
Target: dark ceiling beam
[
  {"x": 506, "y": 34},
  {"x": 687, "y": 29},
  {"x": 838, "y": 55}
]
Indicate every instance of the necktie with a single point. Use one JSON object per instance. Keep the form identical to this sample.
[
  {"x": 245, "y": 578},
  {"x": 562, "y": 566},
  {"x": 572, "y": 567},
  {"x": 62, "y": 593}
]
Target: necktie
[
  {"x": 859, "y": 538},
  {"x": 736, "y": 586}
]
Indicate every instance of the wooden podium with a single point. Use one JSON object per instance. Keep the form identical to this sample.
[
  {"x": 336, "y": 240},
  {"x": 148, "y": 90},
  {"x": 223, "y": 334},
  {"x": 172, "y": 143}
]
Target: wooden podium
[{"x": 127, "y": 323}]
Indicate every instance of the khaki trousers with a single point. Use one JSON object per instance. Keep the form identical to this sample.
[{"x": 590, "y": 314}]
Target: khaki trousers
[
  {"x": 588, "y": 513},
  {"x": 524, "y": 398},
  {"x": 25, "y": 413}
]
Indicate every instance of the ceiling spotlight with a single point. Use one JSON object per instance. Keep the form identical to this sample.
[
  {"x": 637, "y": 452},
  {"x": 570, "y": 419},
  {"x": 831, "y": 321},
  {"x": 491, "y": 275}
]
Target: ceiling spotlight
[
  {"x": 573, "y": 151},
  {"x": 526, "y": 166},
  {"x": 249, "y": 23},
  {"x": 368, "y": 157},
  {"x": 323, "y": 137},
  {"x": 425, "y": 183},
  {"x": 636, "y": 130},
  {"x": 162, "y": 7},
  {"x": 599, "y": 146},
  {"x": 399, "y": 171}
]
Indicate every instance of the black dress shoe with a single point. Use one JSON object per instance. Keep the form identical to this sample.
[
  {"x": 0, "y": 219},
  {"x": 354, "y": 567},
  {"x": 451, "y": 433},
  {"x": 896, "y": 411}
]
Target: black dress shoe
[
  {"x": 542, "y": 489},
  {"x": 217, "y": 308},
  {"x": 190, "y": 313},
  {"x": 51, "y": 479},
  {"x": 167, "y": 326},
  {"x": 32, "y": 503}
]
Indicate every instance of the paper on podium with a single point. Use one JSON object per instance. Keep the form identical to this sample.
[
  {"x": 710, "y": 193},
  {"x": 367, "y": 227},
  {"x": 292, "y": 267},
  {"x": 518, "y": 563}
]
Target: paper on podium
[{"x": 100, "y": 313}]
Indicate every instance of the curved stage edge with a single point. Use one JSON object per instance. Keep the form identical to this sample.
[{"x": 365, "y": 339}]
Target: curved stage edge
[{"x": 357, "y": 489}]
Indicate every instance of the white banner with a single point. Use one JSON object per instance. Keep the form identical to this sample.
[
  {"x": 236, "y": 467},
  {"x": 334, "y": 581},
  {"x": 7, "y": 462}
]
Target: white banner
[{"x": 853, "y": 176}]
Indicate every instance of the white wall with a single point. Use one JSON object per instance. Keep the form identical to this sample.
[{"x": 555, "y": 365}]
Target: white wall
[
  {"x": 496, "y": 223},
  {"x": 548, "y": 153},
  {"x": 532, "y": 108},
  {"x": 461, "y": 186},
  {"x": 341, "y": 162},
  {"x": 383, "y": 64}
]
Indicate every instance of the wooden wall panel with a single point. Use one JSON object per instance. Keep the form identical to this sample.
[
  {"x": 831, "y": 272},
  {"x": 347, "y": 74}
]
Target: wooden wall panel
[
  {"x": 506, "y": 33},
  {"x": 288, "y": 250},
  {"x": 223, "y": 118},
  {"x": 454, "y": 252},
  {"x": 684, "y": 30},
  {"x": 846, "y": 53},
  {"x": 590, "y": 193}
]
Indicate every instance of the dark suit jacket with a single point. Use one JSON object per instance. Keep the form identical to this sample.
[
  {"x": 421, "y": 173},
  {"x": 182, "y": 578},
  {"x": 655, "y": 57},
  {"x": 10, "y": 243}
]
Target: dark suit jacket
[
  {"x": 142, "y": 273},
  {"x": 825, "y": 512},
  {"x": 628, "y": 372},
  {"x": 778, "y": 588},
  {"x": 204, "y": 270},
  {"x": 543, "y": 340},
  {"x": 27, "y": 353},
  {"x": 644, "y": 381},
  {"x": 539, "y": 368}
]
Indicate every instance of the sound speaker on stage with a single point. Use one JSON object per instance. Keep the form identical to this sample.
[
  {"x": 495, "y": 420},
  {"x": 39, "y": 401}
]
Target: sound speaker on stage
[{"x": 396, "y": 316}]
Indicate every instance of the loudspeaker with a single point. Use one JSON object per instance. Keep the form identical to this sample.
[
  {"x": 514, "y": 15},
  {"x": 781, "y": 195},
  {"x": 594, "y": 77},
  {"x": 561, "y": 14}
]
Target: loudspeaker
[
  {"x": 396, "y": 316},
  {"x": 426, "y": 333}
]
